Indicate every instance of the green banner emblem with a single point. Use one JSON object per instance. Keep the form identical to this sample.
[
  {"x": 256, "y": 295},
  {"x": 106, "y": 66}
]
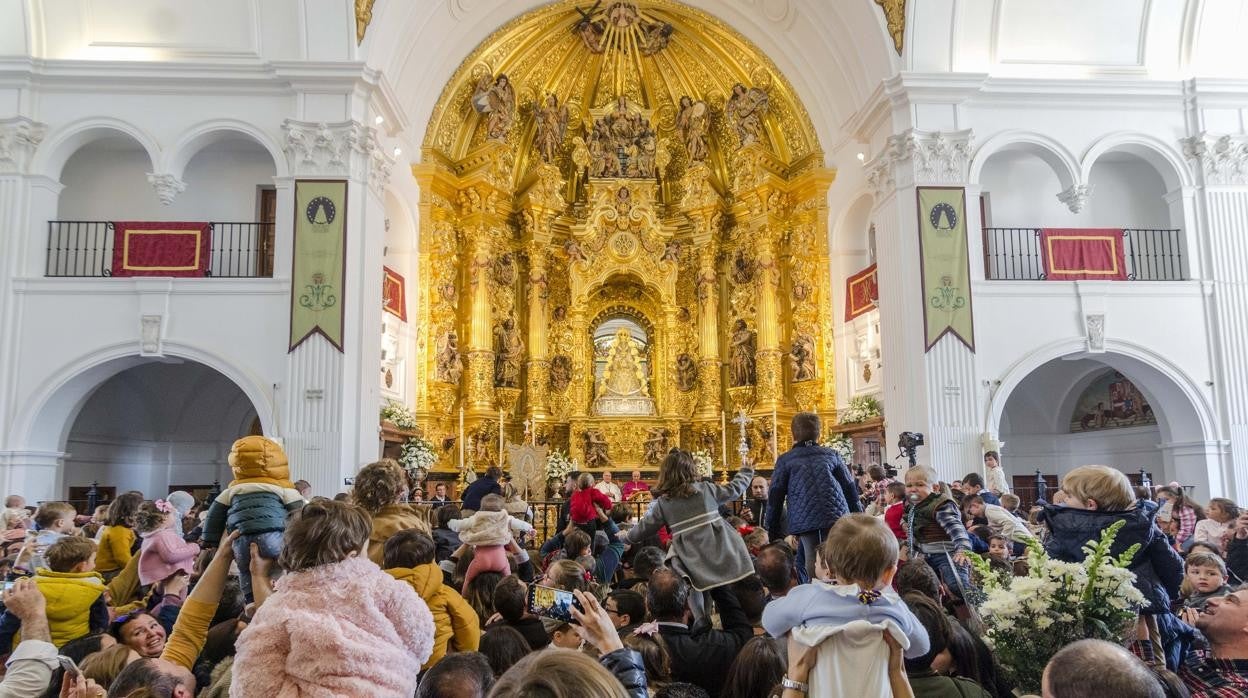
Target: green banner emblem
[
  {"x": 316, "y": 281},
  {"x": 945, "y": 266}
]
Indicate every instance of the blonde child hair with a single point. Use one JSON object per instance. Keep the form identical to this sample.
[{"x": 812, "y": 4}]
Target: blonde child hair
[
  {"x": 1010, "y": 501},
  {"x": 13, "y": 516},
  {"x": 861, "y": 550},
  {"x": 921, "y": 473},
  {"x": 585, "y": 481},
  {"x": 1106, "y": 486},
  {"x": 1203, "y": 559}
]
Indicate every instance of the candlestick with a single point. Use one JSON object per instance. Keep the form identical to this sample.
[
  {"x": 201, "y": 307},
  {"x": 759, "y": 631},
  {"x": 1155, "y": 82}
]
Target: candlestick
[
  {"x": 775, "y": 453},
  {"x": 500, "y": 438},
  {"x": 462, "y": 462},
  {"x": 741, "y": 420},
  {"x": 723, "y": 438}
]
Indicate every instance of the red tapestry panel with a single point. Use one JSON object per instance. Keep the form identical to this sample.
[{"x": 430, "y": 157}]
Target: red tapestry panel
[
  {"x": 160, "y": 249},
  {"x": 394, "y": 293},
  {"x": 1083, "y": 253},
  {"x": 861, "y": 290}
]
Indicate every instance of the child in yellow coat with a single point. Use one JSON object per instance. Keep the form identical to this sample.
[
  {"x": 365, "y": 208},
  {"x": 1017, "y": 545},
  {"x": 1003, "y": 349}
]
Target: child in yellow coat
[
  {"x": 74, "y": 592},
  {"x": 409, "y": 558}
]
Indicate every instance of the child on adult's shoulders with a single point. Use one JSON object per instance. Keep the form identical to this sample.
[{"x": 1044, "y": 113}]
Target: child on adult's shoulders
[{"x": 842, "y": 618}]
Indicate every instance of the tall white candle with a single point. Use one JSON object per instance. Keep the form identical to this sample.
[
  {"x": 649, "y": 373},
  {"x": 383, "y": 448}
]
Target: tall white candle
[
  {"x": 723, "y": 438},
  {"x": 500, "y": 438},
  {"x": 462, "y": 463}
]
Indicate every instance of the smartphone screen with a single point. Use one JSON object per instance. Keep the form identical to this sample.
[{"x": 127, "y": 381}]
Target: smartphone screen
[
  {"x": 549, "y": 602},
  {"x": 68, "y": 665},
  {"x": 8, "y": 585}
]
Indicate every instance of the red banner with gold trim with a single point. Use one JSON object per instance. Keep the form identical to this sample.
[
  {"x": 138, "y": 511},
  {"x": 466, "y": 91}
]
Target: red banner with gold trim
[
  {"x": 160, "y": 249},
  {"x": 861, "y": 292},
  {"x": 394, "y": 293},
  {"x": 1083, "y": 253}
]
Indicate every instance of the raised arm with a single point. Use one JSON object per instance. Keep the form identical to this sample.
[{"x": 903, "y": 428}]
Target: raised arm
[
  {"x": 740, "y": 483},
  {"x": 191, "y": 629}
]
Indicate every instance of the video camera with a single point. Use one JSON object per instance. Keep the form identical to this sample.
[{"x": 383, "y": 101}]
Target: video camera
[{"x": 908, "y": 443}]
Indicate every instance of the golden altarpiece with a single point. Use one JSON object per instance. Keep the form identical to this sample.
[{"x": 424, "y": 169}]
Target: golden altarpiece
[{"x": 623, "y": 242}]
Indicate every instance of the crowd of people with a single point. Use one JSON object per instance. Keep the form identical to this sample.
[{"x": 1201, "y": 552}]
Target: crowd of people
[{"x": 817, "y": 582}]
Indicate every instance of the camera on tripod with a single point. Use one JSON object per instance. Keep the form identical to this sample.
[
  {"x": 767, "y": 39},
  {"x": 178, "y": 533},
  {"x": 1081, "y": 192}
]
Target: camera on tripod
[{"x": 908, "y": 443}]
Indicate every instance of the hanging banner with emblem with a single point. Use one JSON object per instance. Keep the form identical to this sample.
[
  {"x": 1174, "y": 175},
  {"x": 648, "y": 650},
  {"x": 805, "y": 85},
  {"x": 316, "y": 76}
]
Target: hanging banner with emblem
[
  {"x": 945, "y": 266},
  {"x": 316, "y": 281}
]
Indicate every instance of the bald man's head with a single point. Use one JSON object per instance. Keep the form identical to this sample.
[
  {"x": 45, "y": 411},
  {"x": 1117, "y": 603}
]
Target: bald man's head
[{"x": 1097, "y": 669}]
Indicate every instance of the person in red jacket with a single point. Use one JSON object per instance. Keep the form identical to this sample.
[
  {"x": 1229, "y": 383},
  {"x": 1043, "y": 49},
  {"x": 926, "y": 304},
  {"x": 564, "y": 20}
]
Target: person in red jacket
[
  {"x": 895, "y": 498},
  {"x": 584, "y": 499}
]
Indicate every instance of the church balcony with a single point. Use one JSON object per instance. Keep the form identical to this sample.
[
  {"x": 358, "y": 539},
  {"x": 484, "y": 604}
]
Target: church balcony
[
  {"x": 85, "y": 249},
  {"x": 1016, "y": 254}
]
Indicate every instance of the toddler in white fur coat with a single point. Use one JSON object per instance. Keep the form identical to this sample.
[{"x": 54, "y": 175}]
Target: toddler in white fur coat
[{"x": 336, "y": 625}]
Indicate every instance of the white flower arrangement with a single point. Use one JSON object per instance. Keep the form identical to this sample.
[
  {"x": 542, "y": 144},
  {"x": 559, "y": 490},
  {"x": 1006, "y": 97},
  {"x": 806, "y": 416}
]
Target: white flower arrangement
[
  {"x": 702, "y": 460},
  {"x": 558, "y": 465},
  {"x": 843, "y": 444},
  {"x": 1028, "y": 619},
  {"x": 860, "y": 409},
  {"x": 417, "y": 455},
  {"x": 398, "y": 415}
]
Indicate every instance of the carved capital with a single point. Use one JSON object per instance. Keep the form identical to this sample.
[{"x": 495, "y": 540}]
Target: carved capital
[
  {"x": 932, "y": 157},
  {"x": 344, "y": 149},
  {"x": 1076, "y": 197},
  {"x": 167, "y": 186},
  {"x": 19, "y": 137},
  {"x": 1223, "y": 160}
]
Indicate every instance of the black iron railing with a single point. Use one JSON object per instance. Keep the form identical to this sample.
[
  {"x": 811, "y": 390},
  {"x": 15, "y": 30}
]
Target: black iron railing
[
  {"x": 1152, "y": 254},
  {"x": 85, "y": 249}
]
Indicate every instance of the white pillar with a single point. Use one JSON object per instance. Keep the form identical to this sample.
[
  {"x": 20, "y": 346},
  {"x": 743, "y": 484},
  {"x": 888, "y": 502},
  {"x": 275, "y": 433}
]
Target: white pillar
[{"x": 934, "y": 392}]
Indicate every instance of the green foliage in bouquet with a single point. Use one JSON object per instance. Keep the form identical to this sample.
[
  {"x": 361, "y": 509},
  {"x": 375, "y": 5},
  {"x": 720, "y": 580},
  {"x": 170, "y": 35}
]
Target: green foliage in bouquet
[{"x": 1028, "y": 619}]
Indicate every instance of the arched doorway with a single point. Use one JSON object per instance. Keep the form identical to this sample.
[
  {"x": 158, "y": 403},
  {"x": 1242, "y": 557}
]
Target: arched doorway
[
  {"x": 155, "y": 426},
  {"x": 1112, "y": 409}
]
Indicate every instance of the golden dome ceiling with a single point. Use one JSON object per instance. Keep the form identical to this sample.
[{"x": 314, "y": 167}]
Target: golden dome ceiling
[{"x": 652, "y": 51}]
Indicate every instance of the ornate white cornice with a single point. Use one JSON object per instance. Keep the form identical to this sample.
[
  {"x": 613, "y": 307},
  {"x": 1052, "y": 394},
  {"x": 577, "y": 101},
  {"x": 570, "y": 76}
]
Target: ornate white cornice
[
  {"x": 1224, "y": 160},
  {"x": 1076, "y": 197},
  {"x": 379, "y": 163},
  {"x": 167, "y": 186},
  {"x": 19, "y": 137},
  {"x": 341, "y": 149}
]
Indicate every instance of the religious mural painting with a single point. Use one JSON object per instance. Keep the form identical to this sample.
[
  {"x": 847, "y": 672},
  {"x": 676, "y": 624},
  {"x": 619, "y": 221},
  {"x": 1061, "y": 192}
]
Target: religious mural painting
[{"x": 1111, "y": 401}]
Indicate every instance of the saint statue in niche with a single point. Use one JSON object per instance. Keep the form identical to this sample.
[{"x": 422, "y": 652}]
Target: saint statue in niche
[
  {"x": 802, "y": 354},
  {"x": 686, "y": 373},
  {"x": 656, "y": 445},
  {"x": 691, "y": 120},
  {"x": 623, "y": 376},
  {"x": 743, "y": 343},
  {"x": 560, "y": 373},
  {"x": 508, "y": 354},
  {"x": 450, "y": 366},
  {"x": 496, "y": 99},
  {"x": 596, "y": 454},
  {"x": 552, "y": 125},
  {"x": 746, "y": 109}
]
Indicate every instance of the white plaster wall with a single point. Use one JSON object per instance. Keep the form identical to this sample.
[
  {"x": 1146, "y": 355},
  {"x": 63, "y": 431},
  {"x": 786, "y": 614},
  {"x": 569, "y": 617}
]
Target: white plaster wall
[{"x": 1022, "y": 193}]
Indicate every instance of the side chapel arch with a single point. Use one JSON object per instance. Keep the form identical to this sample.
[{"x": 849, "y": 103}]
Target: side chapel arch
[{"x": 639, "y": 154}]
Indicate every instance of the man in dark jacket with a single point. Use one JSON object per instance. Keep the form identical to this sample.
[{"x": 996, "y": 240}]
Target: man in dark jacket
[
  {"x": 818, "y": 486},
  {"x": 700, "y": 654},
  {"x": 486, "y": 484}
]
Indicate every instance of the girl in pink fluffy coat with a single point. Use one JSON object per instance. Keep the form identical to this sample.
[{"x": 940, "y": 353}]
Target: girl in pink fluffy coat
[
  {"x": 164, "y": 555},
  {"x": 336, "y": 624}
]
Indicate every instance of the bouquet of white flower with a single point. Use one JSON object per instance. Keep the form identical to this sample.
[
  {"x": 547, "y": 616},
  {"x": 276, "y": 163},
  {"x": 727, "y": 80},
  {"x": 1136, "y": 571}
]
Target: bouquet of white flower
[
  {"x": 842, "y": 444},
  {"x": 860, "y": 409},
  {"x": 1030, "y": 618},
  {"x": 417, "y": 454},
  {"x": 398, "y": 415},
  {"x": 705, "y": 466},
  {"x": 558, "y": 465}
]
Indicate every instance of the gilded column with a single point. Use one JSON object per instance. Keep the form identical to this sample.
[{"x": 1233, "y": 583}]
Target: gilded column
[
  {"x": 539, "y": 363},
  {"x": 709, "y": 364},
  {"x": 770, "y": 389},
  {"x": 480, "y": 339}
]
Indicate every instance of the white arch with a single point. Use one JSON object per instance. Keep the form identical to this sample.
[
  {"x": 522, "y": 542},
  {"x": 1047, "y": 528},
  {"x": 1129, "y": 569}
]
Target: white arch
[
  {"x": 1201, "y": 408},
  {"x": 1063, "y": 162},
  {"x": 59, "y": 146},
  {"x": 53, "y": 409},
  {"x": 1162, "y": 156},
  {"x": 204, "y": 134}
]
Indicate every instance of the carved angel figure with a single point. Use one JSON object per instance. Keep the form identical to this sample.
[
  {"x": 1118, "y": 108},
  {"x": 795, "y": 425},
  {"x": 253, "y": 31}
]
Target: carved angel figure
[
  {"x": 450, "y": 365},
  {"x": 552, "y": 126},
  {"x": 691, "y": 121},
  {"x": 746, "y": 110},
  {"x": 496, "y": 99},
  {"x": 654, "y": 37},
  {"x": 623, "y": 14},
  {"x": 596, "y": 455},
  {"x": 656, "y": 445},
  {"x": 560, "y": 373},
  {"x": 671, "y": 252},
  {"x": 802, "y": 354},
  {"x": 743, "y": 342},
  {"x": 573, "y": 249}
]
